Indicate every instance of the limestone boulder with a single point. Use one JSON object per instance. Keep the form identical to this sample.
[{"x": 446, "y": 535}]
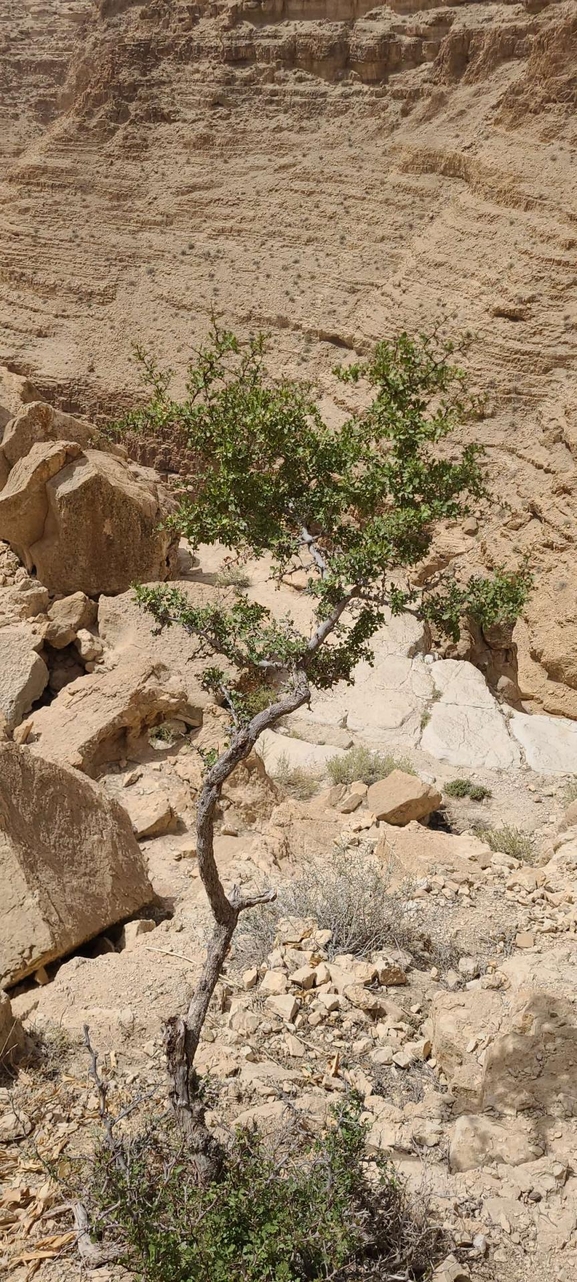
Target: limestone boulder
[
  {"x": 68, "y": 616},
  {"x": 250, "y": 792},
  {"x": 466, "y": 726},
  {"x": 86, "y": 521},
  {"x": 549, "y": 743},
  {"x": 402, "y": 797},
  {"x": 151, "y": 813},
  {"x": 100, "y": 718},
  {"x": 15, "y": 392},
  {"x": 462, "y": 1022},
  {"x": 23, "y": 674},
  {"x": 37, "y": 422},
  {"x": 70, "y": 865},
  {"x": 24, "y": 599},
  {"x": 532, "y": 1064},
  {"x": 131, "y": 633},
  {"x": 278, "y": 749},
  {"x": 513, "y": 1050}
]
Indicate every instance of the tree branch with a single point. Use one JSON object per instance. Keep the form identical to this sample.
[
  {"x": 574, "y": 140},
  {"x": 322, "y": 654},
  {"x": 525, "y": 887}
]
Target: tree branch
[{"x": 317, "y": 556}]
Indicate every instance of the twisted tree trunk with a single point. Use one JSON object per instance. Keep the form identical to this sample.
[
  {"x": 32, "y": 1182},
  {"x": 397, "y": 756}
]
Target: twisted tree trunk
[{"x": 183, "y": 1034}]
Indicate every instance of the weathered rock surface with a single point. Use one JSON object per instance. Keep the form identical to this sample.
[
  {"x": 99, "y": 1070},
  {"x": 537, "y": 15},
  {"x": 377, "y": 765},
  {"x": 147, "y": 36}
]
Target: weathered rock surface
[
  {"x": 69, "y": 863},
  {"x": 97, "y": 718},
  {"x": 150, "y": 815},
  {"x": 402, "y": 797},
  {"x": 549, "y": 743},
  {"x": 83, "y": 519},
  {"x": 39, "y": 422},
  {"x": 67, "y": 617},
  {"x": 466, "y": 725},
  {"x": 479, "y": 1141},
  {"x": 23, "y": 674},
  {"x": 15, "y": 392},
  {"x": 130, "y": 633}
]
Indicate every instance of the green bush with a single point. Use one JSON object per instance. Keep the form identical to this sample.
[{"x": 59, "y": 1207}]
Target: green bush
[
  {"x": 466, "y": 788},
  {"x": 479, "y": 793},
  {"x": 290, "y": 1214},
  {"x": 509, "y": 840},
  {"x": 362, "y": 763}
]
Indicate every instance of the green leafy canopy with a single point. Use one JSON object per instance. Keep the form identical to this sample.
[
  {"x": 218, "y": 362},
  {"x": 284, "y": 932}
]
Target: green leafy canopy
[{"x": 353, "y": 506}]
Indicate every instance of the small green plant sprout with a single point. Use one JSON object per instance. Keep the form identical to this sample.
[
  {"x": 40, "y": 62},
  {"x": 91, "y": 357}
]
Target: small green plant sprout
[
  {"x": 466, "y": 788},
  {"x": 354, "y": 508}
]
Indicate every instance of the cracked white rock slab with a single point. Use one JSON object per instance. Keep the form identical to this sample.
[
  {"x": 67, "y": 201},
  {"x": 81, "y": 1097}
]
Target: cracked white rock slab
[
  {"x": 549, "y": 743},
  {"x": 473, "y": 737},
  {"x": 390, "y": 696},
  {"x": 467, "y": 727}
]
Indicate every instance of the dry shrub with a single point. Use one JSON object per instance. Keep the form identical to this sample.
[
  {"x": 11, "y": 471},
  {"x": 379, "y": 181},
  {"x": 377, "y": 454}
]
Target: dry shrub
[{"x": 363, "y": 763}]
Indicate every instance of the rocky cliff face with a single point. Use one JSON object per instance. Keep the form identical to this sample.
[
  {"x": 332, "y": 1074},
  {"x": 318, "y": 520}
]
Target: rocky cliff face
[{"x": 327, "y": 171}]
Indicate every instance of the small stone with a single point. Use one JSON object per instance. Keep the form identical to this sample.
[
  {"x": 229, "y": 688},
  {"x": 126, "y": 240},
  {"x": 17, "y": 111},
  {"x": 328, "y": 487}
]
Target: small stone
[
  {"x": 323, "y": 974},
  {"x": 362, "y": 1046},
  {"x": 286, "y": 1006},
  {"x": 134, "y": 930},
  {"x": 89, "y": 647},
  {"x": 468, "y": 967},
  {"x": 349, "y": 803},
  {"x": 336, "y": 794},
  {"x": 365, "y": 973},
  {"x": 404, "y": 1058},
  {"x": 41, "y": 976},
  {"x": 250, "y": 978},
  {"x": 294, "y": 1047},
  {"x": 359, "y": 786},
  {"x": 470, "y": 526},
  {"x": 330, "y": 1001},
  {"x": 452, "y": 979},
  {"x": 384, "y": 1055},
  {"x": 306, "y": 977},
  {"x": 525, "y": 939},
  {"x": 391, "y": 975},
  {"x": 274, "y": 982}
]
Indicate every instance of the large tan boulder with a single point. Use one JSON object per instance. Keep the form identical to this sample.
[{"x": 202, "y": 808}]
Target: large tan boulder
[
  {"x": 532, "y": 1064},
  {"x": 99, "y": 718},
  {"x": 462, "y": 1022},
  {"x": 514, "y": 1049},
  {"x": 23, "y": 674},
  {"x": 85, "y": 520},
  {"x": 132, "y": 633},
  {"x": 15, "y": 391},
  {"x": 68, "y": 617},
  {"x": 402, "y": 797},
  {"x": 69, "y": 863},
  {"x": 39, "y": 422}
]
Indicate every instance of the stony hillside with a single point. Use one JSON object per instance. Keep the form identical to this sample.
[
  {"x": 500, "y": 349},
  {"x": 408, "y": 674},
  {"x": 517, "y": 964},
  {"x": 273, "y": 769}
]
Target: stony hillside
[{"x": 329, "y": 171}]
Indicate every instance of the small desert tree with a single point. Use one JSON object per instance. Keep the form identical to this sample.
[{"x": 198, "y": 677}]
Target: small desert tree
[{"x": 354, "y": 507}]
